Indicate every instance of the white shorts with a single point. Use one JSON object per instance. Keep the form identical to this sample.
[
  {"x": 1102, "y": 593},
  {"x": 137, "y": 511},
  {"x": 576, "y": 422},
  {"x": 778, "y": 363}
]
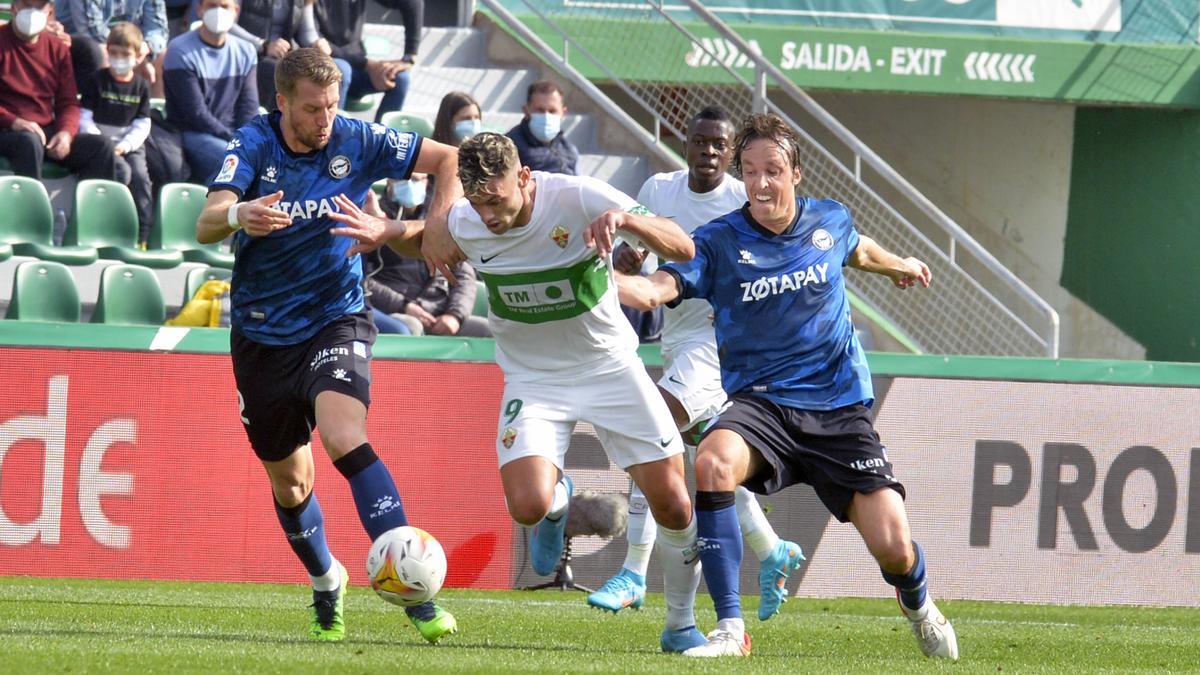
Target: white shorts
[
  {"x": 631, "y": 419},
  {"x": 692, "y": 374}
]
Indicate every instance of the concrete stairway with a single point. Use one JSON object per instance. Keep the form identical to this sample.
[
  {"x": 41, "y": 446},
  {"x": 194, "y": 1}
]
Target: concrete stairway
[{"x": 456, "y": 59}]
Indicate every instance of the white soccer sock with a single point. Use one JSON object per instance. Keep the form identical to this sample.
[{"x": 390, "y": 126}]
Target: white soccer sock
[
  {"x": 676, "y": 548},
  {"x": 330, "y": 580},
  {"x": 558, "y": 503},
  {"x": 735, "y": 626},
  {"x": 640, "y": 533},
  {"x": 757, "y": 532}
]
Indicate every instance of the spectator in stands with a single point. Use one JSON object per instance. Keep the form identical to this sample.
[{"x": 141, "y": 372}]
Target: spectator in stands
[
  {"x": 541, "y": 144},
  {"x": 39, "y": 112},
  {"x": 458, "y": 118},
  {"x": 210, "y": 86},
  {"x": 89, "y": 21},
  {"x": 180, "y": 15},
  {"x": 276, "y": 27},
  {"x": 404, "y": 288},
  {"x": 116, "y": 103},
  {"x": 342, "y": 25}
]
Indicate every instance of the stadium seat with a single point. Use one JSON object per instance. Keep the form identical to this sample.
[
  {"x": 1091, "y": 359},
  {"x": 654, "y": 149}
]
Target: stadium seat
[
  {"x": 402, "y": 121},
  {"x": 129, "y": 296},
  {"x": 179, "y": 205},
  {"x": 363, "y": 104},
  {"x": 43, "y": 291},
  {"x": 481, "y": 300},
  {"x": 196, "y": 278},
  {"x": 105, "y": 217},
  {"x": 28, "y": 223}
]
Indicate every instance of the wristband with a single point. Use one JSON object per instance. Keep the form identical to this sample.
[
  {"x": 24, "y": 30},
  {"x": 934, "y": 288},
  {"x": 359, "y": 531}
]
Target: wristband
[{"x": 233, "y": 216}]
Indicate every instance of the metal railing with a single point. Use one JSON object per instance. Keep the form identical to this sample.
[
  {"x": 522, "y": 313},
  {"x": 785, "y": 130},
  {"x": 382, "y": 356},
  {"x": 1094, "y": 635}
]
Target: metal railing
[{"x": 687, "y": 58}]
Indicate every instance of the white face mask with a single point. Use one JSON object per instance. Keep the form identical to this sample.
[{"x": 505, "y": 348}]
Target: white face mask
[
  {"x": 30, "y": 21},
  {"x": 219, "y": 20},
  {"x": 121, "y": 66}
]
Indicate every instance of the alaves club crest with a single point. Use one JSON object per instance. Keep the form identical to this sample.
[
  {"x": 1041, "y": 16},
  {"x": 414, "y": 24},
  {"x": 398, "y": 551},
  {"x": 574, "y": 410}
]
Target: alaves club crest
[{"x": 560, "y": 236}]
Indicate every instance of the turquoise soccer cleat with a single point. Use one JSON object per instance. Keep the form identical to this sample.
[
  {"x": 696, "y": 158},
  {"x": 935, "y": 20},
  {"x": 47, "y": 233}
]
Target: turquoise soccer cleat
[
  {"x": 546, "y": 538},
  {"x": 773, "y": 576},
  {"x": 625, "y": 589},
  {"x": 681, "y": 640}
]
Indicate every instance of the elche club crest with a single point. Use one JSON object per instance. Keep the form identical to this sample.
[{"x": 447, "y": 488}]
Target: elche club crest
[
  {"x": 339, "y": 167},
  {"x": 560, "y": 236},
  {"x": 508, "y": 437},
  {"x": 822, "y": 240}
]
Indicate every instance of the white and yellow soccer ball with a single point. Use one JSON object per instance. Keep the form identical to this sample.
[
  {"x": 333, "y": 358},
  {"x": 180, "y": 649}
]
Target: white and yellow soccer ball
[{"x": 407, "y": 566}]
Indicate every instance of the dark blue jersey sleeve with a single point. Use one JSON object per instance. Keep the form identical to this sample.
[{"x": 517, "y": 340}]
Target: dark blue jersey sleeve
[
  {"x": 239, "y": 168},
  {"x": 394, "y": 152}
]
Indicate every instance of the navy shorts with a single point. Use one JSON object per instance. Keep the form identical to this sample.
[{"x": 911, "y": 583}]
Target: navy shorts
[
  {"x": 837, "y": 452},
  {"x": 278, "y": 386}
]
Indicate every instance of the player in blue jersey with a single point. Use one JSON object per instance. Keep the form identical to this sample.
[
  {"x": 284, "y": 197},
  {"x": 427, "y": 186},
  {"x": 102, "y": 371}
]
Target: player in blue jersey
[
  {"x": 301, "y": 338},
  {"x": 796, "y": 375}
]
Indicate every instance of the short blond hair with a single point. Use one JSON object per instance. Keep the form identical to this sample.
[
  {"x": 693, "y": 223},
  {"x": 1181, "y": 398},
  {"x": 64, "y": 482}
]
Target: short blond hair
[
  {"x": 307, "y": 63},
  {"x": 485, "y": 156},
  {"x": 125, "y": 34}
]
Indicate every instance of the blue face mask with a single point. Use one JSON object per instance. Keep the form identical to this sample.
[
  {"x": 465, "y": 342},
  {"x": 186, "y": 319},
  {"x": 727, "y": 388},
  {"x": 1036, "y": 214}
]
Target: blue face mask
[
  {"x": 408, "y": 193},
  {"x": 464, "y": 129},
  {"x": 545, "y": 126}
]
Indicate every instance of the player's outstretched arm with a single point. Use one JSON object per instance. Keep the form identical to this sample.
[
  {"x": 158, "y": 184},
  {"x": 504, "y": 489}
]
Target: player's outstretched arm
[
  {"x": 658, "y": 234},
  {"x": 438, "y": 247},
  {"x": 372, "y": 231},
  {"x": 646, "y": 293},
  {"x": 223, "y": 214},
  {"x": 869, "y": 256}
]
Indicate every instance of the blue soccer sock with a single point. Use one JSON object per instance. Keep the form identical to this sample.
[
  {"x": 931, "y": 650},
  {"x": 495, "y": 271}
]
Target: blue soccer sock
[
  {"x": 720, "y": 542},
  {"x": 375, "y": 494},
  {"x": 912, "y": 585},
  {"x": 304, "y": 526}
]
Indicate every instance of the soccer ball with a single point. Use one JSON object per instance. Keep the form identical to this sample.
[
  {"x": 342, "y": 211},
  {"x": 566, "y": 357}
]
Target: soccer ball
[{"x": 407, "y": 566}]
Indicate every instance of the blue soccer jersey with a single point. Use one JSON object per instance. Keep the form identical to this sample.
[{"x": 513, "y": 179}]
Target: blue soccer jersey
[
  {"x": 781, "y": 314},
  {"x": 290, "y": 283}
]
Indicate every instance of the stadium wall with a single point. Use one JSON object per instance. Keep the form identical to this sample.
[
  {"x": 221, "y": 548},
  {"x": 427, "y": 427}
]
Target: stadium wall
[{"x": 1080, "y": 479}]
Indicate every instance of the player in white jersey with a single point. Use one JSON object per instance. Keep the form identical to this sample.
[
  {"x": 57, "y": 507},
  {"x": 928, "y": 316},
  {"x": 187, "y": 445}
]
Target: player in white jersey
[
  {"x": 691, "y": 381},
  {"x": 542, "y": 244}
]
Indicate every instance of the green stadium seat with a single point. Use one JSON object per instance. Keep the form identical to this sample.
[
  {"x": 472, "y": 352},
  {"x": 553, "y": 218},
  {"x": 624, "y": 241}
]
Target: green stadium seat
[
  {"x": 402, "y": 121},
  {"x": 130, "y": 295},
  {"x": 6, "y": 252},
  {"x": 159, "y": 104},
  {"x": 362, "y": 104},
  {"x": 481, "y": 300},
  {"x": 179, "y": 205},
  {"x": 43, "y": 291},
  {"x": 27, "y": 223},
  {"x": 196, "y": 278},
  {"x": 106, "y": 218}
]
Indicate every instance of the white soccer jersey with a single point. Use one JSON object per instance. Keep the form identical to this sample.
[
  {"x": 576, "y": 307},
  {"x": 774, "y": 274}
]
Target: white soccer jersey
[
  {"x": 553, "y": 303},
  {"x": 667, "y": 195}
]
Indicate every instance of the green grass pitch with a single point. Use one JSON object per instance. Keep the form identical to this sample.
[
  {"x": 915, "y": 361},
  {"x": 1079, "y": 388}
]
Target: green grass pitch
[{"x": 58, "y": 625}]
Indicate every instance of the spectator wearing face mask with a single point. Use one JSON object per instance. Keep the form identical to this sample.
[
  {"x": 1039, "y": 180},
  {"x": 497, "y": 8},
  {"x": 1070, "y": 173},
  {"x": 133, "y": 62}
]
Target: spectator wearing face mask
[
  {"x": 116, "y": 104},
  {"x": 404, "y": 289},
  {"x": 541, "y": 144},
  {"x": 458, "y": 118},
  {"x": 39, "y": 113},
  {"x": 211, "y": 86}
]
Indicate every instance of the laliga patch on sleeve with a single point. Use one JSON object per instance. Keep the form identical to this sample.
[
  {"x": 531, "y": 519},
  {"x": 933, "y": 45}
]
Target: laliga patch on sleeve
[
  {"x": 360, "y": 350},
  {"x": 228, "y": 168}
]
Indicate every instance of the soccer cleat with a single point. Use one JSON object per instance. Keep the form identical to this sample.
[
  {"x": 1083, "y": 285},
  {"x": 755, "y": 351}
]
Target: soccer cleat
[
  {"x": 546, "y": 538},
  {"x": 681, "y": 640},
  {"x": 773, "y": 576},
  {"x": 935, "y": 636},
  {"x": 721, "y": 643},
  {"x": 436, "y": 628},
  {"x": 626, "y": 589},
  {"x": 327, "y": 621}
]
